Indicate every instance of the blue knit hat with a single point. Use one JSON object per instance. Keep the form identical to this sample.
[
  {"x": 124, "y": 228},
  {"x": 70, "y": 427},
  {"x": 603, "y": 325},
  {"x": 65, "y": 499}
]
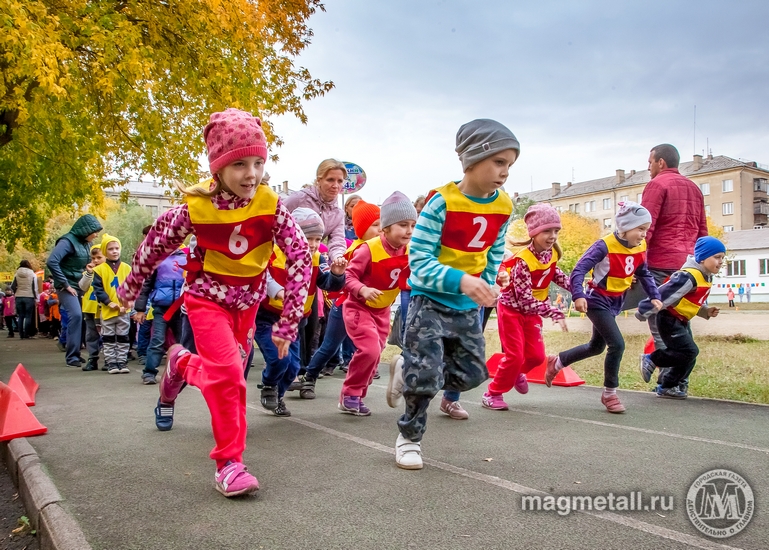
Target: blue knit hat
[{"x": 707, "y": 247}]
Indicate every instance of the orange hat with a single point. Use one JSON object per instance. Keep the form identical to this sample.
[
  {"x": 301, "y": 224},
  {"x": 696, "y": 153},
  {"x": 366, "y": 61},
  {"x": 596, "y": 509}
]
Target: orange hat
[{"x": 364, "y": 214}]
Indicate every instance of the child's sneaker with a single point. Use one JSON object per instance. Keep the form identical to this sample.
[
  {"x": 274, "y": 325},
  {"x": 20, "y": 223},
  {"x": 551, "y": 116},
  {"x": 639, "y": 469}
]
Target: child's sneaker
[
  {"x": 351, "y": 405},
  {"x": 148, "y": 379},
  {"x": 164, "y": 416},
  {"x": 408, "y": 454},
  {"x": 269, "y": 397},
  {"x": 234, "y": 480},
  {"x": 612, "y": 404},
  {"x": 670, "y": 393},
  {"x": 172, "y": 381},
  {"x": 552, "y": 369},
  {"x": 124, "y": 368},
  {"x": 307, "y": 391},
  {"x": 646, "y": 366},
  {"x": 142, "y": 359},
  {"x": 281, "y": 409},
  {"x": 295, "y": 385},
  {"x": 453, "y": 409},
  {"x": 493, "y": 402},
  {"x": 113, "y": 368},
  {"x": 363, "y": 410},
  {"x": 521, "y": 384},
  {"x": 395, "y": 385}
]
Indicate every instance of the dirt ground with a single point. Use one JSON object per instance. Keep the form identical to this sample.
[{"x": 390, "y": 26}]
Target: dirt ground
[{"x": 11, "y": 509}]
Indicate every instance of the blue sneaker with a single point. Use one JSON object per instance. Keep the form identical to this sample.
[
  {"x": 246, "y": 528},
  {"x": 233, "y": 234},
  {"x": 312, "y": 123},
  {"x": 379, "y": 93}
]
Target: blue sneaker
[
  {"x": 646, "y": 367},
  {"x": 669, "y": 393},
  {"x": 164, "y": 416}
]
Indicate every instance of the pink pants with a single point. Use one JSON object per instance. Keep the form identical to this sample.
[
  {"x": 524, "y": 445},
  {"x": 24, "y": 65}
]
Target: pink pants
[
  {"x": 368, "y": 329},
  {"x": 522, "y": 343},
  {"x": 223, "y": 339}
]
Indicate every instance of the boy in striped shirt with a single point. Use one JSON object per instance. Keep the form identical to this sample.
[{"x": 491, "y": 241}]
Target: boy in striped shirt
[{"x": 455, "y": 253}]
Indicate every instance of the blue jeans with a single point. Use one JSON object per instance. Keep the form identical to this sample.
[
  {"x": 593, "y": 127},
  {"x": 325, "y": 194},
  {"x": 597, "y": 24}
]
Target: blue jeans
[
  {"x": 156, "y": 347},
  {"x": 336, "y": 334},
  {"x": 277, "y": 372},
  {"x": 143, "y": 338},
  {"x": 25, "y": 308},
  {"x": 70, "y": 308}
]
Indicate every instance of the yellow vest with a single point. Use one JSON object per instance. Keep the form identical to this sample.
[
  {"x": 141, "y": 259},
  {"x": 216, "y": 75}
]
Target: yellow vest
[
  {"x": 90, "y": 303},
  {"x": 278, "y": 272},
  {"x": 614, "y": 275},
  {"x": 386, "y": 273},
  {"x": 690, "y": 304},
  {"x": 541, "y": 274},
  {"x": 111, "y": 282}
]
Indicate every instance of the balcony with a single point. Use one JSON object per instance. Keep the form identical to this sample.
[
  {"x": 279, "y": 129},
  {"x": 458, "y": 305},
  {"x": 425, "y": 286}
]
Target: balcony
[
  {"x": 760, "y": 187},
  {"x": 760, "y": 213}
]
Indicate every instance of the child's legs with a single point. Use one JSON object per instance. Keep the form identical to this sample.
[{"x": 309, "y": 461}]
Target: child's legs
[
  {"x": 222, "y": 340},
  {"x": 109, "y": 338},
  {"x": 155, "y": 349},
  {"x": 423, "y": 355},
  {"x": 404, "y": 309},
  {"x": 464, "y": 350},
  {"x": 512, "y": 339},
  {"x": 335, "y": 335},
  {"x": 680, "y": 353},
  {"x": 274, "y": 368},
  {"x": 122, "y": 326},
  {"x": 364, "y": 327},
  {"x": 594, "y": 347},
  {"x": 9, "y": 324},
  {"x": 534, "y": 350},
  {"x": 605, "y": 323},
  {"x": 294, "y": 365},
  {"x": 143, "y": 338},
  {"x": 91, "y": 335}
]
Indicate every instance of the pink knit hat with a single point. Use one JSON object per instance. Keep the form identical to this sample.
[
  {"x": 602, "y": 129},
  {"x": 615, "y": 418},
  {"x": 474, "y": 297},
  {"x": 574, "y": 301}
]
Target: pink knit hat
[
  {"x": 541, "y": 217},
  {"x": 232, "y": 135}
]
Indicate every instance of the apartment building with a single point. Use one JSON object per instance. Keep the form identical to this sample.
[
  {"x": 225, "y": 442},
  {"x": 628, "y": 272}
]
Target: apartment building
[
  {"x": 735, "y": 192},
  {"x": 747, "y": 267}
]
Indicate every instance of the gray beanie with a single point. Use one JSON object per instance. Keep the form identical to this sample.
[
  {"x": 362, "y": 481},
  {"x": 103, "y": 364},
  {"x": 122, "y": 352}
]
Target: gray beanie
[
  {"x": 397, "y": 208},
  {"x": 482, "y": 138},
  {"x": 631, "y": 215}
]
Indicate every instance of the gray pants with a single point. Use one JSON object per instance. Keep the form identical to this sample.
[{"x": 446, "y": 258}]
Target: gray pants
[
  {"x": 114, "y": 334},
  {"x": 443, "y": 348},
  {"x": 91, "y": 335}
]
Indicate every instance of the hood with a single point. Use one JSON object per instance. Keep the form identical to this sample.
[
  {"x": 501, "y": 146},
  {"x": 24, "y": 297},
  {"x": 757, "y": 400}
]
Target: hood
[
  {"x": 85, "y": 225},
  {"x": 691, "y": 262}
]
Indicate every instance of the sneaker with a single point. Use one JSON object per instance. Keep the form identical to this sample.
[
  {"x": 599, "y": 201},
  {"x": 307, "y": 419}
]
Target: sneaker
[
  {"x": 131, "y": 356},
  {"x": 75, "y": 365},
  {"x": 344, "y": 368},
  {"x": 328, "y": 371},
  {"x": 453, "y": 409},
  {"x": 521, "y": 384},
  {"x": 269, "y": 397},
  {"x": 408, "y": 454},
  {"x": 612, "y": 404},
  {"x": 646, "y": 367},
  {"x": 234, "y": 480},
  {"x": 59, "y": 345},
  {"x": 363, "y": 410},
  {"x": 148, "y": 379},
  {"x": 92, "y": 364},
  {"x": 281, "y": 409},
  {"x": 295, "y": 385},
  {"x": 124, "y": 368},
  {"x": 493, "y": 402},
  {"x": 396, "y": 383},
  {"x": 551, "y": 370},
  {"x": 307, "y": 391},
  {"x": 172, "y": 380},
  {"x": 113, "y": 368},
  {"x": 81, "y": 359},
  {"x": 105, "y": 367},
  {"x": 164, "y": 416},
  {"x": 351, "y": 405},
  {"x": 142, "y": 359},
  {"x": 377, "y": 376},
  {"x": 684, "y": 386},
  {"x": 670, "y": 393}
]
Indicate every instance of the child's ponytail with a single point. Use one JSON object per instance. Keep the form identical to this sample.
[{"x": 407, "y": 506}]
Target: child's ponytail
[
  {"x": 556, "y": 246},
  {"x": 200, "y": 190}
]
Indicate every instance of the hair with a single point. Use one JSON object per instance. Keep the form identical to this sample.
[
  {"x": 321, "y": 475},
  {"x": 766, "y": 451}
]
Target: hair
[
  {"x": 420, "y": 202},
  {"x": 556, "y": 246},
  {"x": 350, "y": 199},
  {"x": 200, "y": 190},
  {"x": 265, "y": 179},
  {"x": 668, "y": 153},
  {"x": 146, "y": 229},
  {"x": 326, "y": 166},
  {"x": 25, "y": 263},
  {"x": 97, "y": 249}
]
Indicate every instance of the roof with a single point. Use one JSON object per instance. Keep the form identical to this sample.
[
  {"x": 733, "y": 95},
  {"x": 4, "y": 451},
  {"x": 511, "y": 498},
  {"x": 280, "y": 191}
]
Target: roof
[
  {"x": 748, "y": 239},
  {"x": 642, "y": 177}
]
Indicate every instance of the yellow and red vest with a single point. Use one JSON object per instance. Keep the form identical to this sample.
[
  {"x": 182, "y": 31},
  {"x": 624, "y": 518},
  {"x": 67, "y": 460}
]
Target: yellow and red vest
[
  {"x": 235, "y": 246},
  {"x": 339, "y": 296},
  {"x": 111, "y": 281},
  {"x": 622, "y": 264},
  {"x": 387, "y": 273},
  {"x": 471, "y": 228},
  {"x": 690, "y": 304},
  {"x": 541, "y": 274},
  {"x": 278, "y": 272}
]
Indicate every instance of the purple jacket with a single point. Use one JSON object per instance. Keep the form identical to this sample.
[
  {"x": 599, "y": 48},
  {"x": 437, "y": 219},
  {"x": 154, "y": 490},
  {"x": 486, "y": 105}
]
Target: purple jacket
[{"x": 330, "y": 213}]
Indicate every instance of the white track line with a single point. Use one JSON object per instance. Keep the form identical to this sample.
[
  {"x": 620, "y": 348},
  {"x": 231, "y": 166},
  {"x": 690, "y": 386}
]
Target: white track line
[{"x": 662, "y": 532}]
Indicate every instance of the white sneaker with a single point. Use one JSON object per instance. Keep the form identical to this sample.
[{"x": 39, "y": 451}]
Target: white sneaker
[
  {"x": 408, "y": 454},
  {"x": 395, "y": 384}
]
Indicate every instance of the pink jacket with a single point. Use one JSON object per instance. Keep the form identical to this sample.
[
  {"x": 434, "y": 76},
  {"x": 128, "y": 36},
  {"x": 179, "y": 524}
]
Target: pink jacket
[
  {"x": 9, "y": 306},
  {"x": 329, "y": 212}
]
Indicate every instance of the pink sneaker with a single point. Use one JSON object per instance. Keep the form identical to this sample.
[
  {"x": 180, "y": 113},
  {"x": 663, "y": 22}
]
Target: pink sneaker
[
  {"x": 453, "y": 409},
  {"x": 234, "y": 480},
  {"x": 172, "y": 381},
  {"x": 493, "y": 402},
  {"x": 521, "y": 384},
  {"x": 551, "y": 370},
  {"x": 612, "y": 404}
]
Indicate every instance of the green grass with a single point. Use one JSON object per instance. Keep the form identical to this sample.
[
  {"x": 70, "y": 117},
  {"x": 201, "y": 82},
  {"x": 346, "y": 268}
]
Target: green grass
[{"x": 728, "y": 367}]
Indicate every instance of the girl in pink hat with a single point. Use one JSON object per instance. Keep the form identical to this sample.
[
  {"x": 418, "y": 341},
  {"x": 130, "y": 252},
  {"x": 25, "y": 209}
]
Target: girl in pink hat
[{"x": 525, "y": 278}]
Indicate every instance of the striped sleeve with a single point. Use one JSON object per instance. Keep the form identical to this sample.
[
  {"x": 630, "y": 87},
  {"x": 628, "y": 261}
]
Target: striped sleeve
[
  {"x": 494, "y": 256},
  {"x": 426, "y": 271}
]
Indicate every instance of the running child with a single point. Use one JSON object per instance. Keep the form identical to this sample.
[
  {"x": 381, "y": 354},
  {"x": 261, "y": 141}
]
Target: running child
[
  {"x": 525, "y": 279},
  {"x": 683, "y": 296},
  {"x": 91, "y": 313},
  {"x": 614, "y": 260},
  {"x": 454, "y": 258},
  {"x": 373, "y": 278},
  {"x": 236, "y": 221}
]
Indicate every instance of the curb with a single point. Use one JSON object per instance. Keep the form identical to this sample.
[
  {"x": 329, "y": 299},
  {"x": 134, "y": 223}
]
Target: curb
[{"x": 56, "y": 529}]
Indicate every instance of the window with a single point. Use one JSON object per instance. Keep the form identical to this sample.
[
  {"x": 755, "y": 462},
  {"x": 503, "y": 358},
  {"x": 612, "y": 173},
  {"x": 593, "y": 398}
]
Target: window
[
  {"x": 623, "y": 198},
  {"x": 728, "y": 228},
  {"x": 735, "y": 268},
  {"x": 589, "y": 206},
  {"x": 727, "y": 208},
  {"x": 152, "y": 210},
  {"x": 607, "y": 223},
  {"x": 607, "y": 204},
  {"x": 576, "y": 208},
  {"x": 760, "y": 185},
  {"x": 727, "y": 185},
  {"x": 763, "y": 266},
  {"x": 707, "y": 209},
  {"x": 639, "y": 197},
  {"x": 705, "y": 188}
]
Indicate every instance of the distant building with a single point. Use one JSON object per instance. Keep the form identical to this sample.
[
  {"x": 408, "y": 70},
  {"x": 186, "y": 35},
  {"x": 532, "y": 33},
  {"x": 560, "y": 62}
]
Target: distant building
[
  {"x": 747, "y": 254},
  {"x": 735, "y": 192}
]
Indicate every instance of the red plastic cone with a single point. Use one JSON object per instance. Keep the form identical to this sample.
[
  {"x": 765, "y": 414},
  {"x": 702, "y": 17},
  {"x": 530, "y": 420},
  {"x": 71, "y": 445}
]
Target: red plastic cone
[
  {"x": 16, "y": 420},
  {"x": 24, "y": 385},
  {"x": 649, "y": 347},
  {"x": 565, "y": 377},
  {"x": 493, "y": 363}
]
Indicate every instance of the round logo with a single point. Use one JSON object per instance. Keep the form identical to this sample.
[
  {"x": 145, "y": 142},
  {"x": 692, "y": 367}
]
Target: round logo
[
  {"x": 356, "y": 178},
  {"x": 720, "y": 503}
]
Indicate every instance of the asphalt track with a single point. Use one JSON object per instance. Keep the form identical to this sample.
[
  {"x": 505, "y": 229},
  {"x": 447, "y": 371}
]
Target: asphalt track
[{"x": 329, "y": 480}]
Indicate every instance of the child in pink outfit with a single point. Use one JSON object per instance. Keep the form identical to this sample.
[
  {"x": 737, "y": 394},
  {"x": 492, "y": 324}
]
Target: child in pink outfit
[
  {"x": 9, "y": 310},
  {"x": 374, "y": 274},
  {"x": 235, "y": 221}
]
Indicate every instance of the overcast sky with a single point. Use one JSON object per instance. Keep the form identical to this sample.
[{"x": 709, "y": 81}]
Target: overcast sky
[{"x": 588, "y": 87}]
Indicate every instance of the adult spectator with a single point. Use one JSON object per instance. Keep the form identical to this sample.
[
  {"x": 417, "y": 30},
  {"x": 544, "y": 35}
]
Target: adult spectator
[
  {"x": 349, "y": 204},
  {"x": 66, "y": 264},
  {"x": 25, "y": 287},
  {"x": 419, "y": 204}
]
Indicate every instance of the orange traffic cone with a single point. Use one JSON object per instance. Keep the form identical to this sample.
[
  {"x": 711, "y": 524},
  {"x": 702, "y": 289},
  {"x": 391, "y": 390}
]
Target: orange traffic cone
[
  {"x": 565, "y": 377},
  {"x": 649, "y": 346},
  {"x": 492, "y": 365},
  {"x": 24, "y": 385},
  {"x": 16, "y": 420}
]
